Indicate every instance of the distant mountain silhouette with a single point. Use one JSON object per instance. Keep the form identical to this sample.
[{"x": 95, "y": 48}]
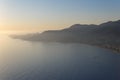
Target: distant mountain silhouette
[{"x": 104, "y": 35}]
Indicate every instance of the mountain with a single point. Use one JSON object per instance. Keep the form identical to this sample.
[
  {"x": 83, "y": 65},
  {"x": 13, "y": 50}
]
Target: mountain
[{"x": 105, "y": 35}]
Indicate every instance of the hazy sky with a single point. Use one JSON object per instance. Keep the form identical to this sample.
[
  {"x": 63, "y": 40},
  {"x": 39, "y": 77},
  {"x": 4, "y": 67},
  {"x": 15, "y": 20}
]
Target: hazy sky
[{"x": 40, "y": 15}]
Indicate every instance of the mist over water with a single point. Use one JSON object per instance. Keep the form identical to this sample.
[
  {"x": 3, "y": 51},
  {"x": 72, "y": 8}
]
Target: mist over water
[{"x": 22, "y": 60}]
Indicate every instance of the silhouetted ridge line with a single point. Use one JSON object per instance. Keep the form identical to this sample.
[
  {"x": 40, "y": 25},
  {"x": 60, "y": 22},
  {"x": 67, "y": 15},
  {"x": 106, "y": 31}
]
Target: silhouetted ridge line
[{"x": 104, "y": 35}]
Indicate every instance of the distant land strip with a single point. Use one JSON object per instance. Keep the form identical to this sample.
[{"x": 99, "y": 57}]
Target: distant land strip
[{"x": 105, "y": 35}]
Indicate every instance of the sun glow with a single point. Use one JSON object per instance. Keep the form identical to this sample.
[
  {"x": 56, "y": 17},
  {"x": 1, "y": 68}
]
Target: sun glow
[{"x": 9, "y": 32}]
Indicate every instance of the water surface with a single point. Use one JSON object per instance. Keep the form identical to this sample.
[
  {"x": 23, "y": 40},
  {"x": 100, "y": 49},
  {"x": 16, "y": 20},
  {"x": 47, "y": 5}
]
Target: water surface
[{"x": 22, "y": 60}]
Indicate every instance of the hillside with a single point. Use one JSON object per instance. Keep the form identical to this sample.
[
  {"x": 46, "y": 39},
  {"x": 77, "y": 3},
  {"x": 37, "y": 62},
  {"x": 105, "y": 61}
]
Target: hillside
[{"x": 105, "y": 35}]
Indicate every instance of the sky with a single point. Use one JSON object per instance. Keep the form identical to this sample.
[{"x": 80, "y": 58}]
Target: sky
[{"x": 41, "y": 15}]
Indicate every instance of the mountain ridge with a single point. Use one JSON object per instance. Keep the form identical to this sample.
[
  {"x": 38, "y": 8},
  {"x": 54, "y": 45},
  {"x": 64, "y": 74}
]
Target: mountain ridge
[{"x": 105, "y": 35}]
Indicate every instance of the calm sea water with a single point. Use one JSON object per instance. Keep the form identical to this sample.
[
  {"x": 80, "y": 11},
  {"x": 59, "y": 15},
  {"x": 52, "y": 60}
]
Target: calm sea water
[{"x": 21, "y": 60}]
